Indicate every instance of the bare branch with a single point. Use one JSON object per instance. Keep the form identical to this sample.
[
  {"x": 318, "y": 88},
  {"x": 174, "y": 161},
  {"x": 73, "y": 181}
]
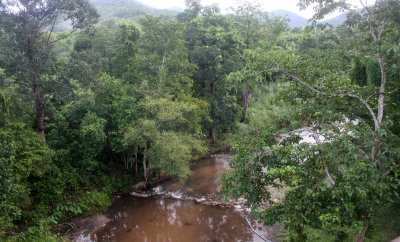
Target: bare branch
[
  {"x": 382, "y": 88},
  {"x": 328, "y": 173},
  {"x": 381, "y": 29},
  {"x": 362, "y": 100},
  {"x": 364, "y": 154},
  {"x": 52, "y": 28},
  {"x": 63, "y": 37},
  {"x": 162, "y": 67},
  {"x": 371, "y": 28},
  {"x": 394, "y": 90}
]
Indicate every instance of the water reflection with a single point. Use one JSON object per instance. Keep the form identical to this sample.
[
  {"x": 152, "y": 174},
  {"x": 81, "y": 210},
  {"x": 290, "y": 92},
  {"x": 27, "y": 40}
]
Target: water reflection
[
  {"x": 204, "y": 177},
  {"x": 160, "y": 219}
]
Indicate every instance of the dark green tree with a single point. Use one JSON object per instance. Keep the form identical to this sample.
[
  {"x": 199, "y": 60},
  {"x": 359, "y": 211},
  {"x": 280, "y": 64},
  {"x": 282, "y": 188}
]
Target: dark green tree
[
  {"x": 24, "y": 155},
  {"x": 214, "y": 47},
  {"x": 123, "y": 62},
  {"x": 25, "y": 24}
]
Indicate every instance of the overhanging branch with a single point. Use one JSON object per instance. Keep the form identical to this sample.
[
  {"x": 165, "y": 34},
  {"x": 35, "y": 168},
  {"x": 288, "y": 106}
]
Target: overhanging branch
[
  {"x": 328, "y": 173},
  {"x": 362, "y": 100}
]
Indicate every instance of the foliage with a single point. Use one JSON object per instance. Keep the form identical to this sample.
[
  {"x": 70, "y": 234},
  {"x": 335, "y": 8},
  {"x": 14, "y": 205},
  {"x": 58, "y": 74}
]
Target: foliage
[
  {"x": 127, "y": 9},
  {"x": 31, "y": 55},
  {"x": 349, "y": 174},
  {"x": 170, "y": 154},
  {"x": 171, "y": 131},
  {"x": 126, "y": 48},
  {"x": 134, "y": 99},
  {"x": 214, "y": 47},
  {"x": 93, "y": 137},
  {"x": 11, "y": 189},
  {"x": 24, "y": 155}
]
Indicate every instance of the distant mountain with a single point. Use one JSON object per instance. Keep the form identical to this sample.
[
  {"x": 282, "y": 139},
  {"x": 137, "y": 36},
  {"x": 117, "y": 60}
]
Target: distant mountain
[
  {"x": 298, "y": 21},
  {"x": 295, "y": 20},
  {"x": 336, "y": 20},
  {"x": 134, "y": 9},
  {"x": 177, "y": 9},
  {"x": 120, "y": 9},
  {"x": 129, "y": 9}
]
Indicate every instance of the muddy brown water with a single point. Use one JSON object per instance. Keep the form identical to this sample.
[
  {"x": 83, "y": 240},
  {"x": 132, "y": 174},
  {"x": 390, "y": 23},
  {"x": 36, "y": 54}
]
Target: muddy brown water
[
  {"x": 168, "y": 218},
  {"x": 203, "y": 180}
]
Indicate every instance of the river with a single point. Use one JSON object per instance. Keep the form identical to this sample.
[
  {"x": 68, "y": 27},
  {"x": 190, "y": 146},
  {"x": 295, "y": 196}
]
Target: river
[{"x": 168, "y": 215}]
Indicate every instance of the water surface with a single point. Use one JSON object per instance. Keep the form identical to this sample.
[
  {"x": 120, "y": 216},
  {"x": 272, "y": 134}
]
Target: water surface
[{"x": 166, "y": 217}]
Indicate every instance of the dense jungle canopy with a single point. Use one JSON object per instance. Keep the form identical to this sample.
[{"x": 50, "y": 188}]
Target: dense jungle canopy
[{"x": 97, "y": 96}]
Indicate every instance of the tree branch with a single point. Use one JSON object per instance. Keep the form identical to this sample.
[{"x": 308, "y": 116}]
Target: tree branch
[
  {"x": 385, "y": 175},
  {"x": 362, "y": 100},
  {"x": 52, "y": 28},
  {"x": 381, "y": 29},
  {"x": 371, "y": 28},
  {"x": 328, "y": 173},
  {"x": 64, "y": 37},
  {"x": 382, "y": 88}
]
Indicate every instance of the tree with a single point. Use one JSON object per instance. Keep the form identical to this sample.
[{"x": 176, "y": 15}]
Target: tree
[
  {"x": 143, "y": 139},
  {"x": 251, "y": 23},
  {"x": 24, "y": 155},
  {"x": 351, "y": 173},
  {"x": 257, "y": 31},
  {"x": 213, "y": 45},
  {"x": 163, "y": 57},
  {"x": 164, "y": 127},
  {"x": 171, "y": 153},
  {"x": 25, "y": 23},
  {"x": 246, "y": 80},
  {"x": 86, "y": 64},
  {"x": 122, "y": 64},
  {"x": 93, "y": 139}
]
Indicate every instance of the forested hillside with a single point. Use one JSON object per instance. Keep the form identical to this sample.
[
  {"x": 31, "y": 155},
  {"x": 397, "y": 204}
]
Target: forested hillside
[
  {"x": 88, "y": 112},
  {"x": 127, "y": 9}
]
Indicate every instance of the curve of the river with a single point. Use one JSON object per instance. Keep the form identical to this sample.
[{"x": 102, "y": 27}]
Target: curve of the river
[{"x": 166, "y": 217}]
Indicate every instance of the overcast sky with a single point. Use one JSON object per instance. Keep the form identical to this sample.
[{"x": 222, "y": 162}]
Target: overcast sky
[{"x": 268, "y": 5}]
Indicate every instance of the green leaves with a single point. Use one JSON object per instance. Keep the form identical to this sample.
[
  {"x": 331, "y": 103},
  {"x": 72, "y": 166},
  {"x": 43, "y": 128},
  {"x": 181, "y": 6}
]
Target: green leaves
[
  {"x": 172, "y": 130},
  {"x": 332, "y": 183},
  {"x": 94, "y": 138},
  {"x": 24, "y": 156},
  {"x": 171, "y": 154}
]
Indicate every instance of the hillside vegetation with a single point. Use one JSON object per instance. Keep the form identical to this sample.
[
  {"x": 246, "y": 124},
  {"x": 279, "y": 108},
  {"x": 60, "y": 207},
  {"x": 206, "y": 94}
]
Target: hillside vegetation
[{"x": 129, "y": 94}]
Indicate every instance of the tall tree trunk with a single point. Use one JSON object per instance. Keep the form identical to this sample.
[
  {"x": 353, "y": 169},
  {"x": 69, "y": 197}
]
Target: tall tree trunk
[
  {"x": 144, "y": 162},
  {"x": 203, "y": 88},
  {"x": 213, "y": 125},
  {"x": 148, "y": 167},
  {"x": 203, "y": 83},
  {"x": 247, "y": 95},
  {"x": 212, "y": 85},
  {"x": 136, "y": 161},
  {"x": 212, "y": 132},
  {"x": 110, "y": 159},
  {"x": 39, "y": 111},
  {"x": 360, "y": 237},
  {"x": 162, "y": 67}
]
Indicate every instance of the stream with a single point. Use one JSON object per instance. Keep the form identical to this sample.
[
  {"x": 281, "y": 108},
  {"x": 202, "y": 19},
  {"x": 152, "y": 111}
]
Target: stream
[{"x": 168, "y": 215}]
